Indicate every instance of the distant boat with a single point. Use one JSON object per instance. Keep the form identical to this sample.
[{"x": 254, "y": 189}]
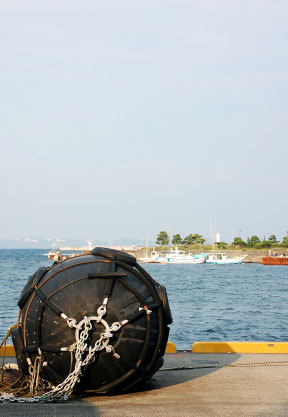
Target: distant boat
[
  {"x": 148, "y": 260},
  {"x": 56, "y": 255},
  {"x": 275, "y": 260},
  {"x": 178, "y": 257},
  {"x": 220, "y": 258}
]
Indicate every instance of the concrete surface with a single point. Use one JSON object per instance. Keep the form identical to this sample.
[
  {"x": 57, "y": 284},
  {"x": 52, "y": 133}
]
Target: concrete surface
[{"x": 216, "y": 385}]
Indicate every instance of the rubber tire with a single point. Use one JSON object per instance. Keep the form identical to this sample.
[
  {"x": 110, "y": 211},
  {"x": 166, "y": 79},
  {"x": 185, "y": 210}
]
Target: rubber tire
[{"x": 117, "y": 254}]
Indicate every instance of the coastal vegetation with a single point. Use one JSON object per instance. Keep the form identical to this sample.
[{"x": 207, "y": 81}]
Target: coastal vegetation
[
  {"x": 191, "y": 239},
  {"x": 196, "y": 241}
]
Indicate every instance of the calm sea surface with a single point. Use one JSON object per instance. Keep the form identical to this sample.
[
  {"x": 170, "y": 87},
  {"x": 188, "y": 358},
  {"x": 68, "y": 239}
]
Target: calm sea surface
[{"x": 208, "y": 302}]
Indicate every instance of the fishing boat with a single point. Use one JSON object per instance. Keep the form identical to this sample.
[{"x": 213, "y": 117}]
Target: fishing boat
[
  {"x": 275, "y": 260},
  {"x": 57, "y": 255},
  {"x": 178, "y": 257},
  {"x": 148, "y": 259},
  {"x": 220, "y": 258}
]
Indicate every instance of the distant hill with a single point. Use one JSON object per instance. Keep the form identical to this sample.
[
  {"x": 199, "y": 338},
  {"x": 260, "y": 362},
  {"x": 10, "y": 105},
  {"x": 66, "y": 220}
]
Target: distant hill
[{"x": 46, "y": 243}]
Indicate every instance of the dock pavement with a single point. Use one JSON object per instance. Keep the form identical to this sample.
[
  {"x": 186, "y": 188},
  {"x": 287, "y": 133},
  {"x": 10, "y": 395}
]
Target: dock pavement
[{"x": 188, "y": 385}]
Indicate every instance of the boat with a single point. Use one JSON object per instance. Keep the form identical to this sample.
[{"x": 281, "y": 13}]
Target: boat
[
  {"x": 178, "y": 257},
  {"x": 148, "y": 259},
  {"x": 275, "y": 260},
  {"x": 57, "y": 255},
  {"x": 220, "y": 258},
  {"x": 54, "y": 255}
]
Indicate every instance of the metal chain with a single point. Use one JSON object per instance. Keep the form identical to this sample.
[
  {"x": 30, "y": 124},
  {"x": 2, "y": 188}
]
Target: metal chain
[{"x": 63, "y": 390}]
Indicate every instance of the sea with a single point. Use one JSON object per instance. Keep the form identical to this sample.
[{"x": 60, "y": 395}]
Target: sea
[{"x": 208, "y": 302}]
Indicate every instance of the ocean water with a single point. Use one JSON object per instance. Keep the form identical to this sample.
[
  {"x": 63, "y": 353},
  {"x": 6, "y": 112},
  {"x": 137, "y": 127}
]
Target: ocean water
[{"x": 208, "y": 302}]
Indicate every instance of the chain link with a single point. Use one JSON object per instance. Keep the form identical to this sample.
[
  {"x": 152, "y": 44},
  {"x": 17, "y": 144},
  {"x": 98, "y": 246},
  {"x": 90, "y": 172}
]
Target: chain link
[{"x": 63, "y": 390}]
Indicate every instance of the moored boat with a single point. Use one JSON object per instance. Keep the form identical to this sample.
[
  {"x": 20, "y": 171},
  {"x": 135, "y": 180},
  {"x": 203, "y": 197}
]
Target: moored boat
[
  {"x": 275, "y": 260},
  {"x": 220, "y": 258},
  {"x": 178, "y": 257},
  {"x": 148, "y": 260}
]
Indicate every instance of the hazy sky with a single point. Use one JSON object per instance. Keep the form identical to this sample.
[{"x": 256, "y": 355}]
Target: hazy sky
[{"x": 122, "y": 118}]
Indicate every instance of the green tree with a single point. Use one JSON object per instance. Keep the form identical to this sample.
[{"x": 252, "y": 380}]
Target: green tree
[
  {"x": 198, "y": 238},
  {"x": 162, "y": 238},
  {"x": 238, "y": 242},
  {"x": 193, "y": 238},
  {"x": 273, "y": 240},
  {"x": 266, "y": 244},
  {"x": 189, "y": 240},
  {"x": 221, "y": 245},
  {"x": 254, "y": 240},
  {"x": 177, "y": 240}
]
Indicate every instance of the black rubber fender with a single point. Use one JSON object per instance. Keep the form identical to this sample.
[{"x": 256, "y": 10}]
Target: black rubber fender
[
  {"x": 76, "y": 288},
  {"x": 32, "y": 281},
  {"x": 164, "y": 298},
  {"x": 113, "y": 253},
  {"x": 19, "y": 346}
]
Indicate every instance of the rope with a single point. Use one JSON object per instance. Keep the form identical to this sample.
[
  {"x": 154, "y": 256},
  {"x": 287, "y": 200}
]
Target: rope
[
  {"x": 4, "y": 341},
  {"x": 238, "y": 365},
  {"x": 21, "y": 384}
]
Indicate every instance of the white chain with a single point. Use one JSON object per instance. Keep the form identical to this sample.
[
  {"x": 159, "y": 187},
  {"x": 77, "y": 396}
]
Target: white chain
[{"x": 65, "y": 388}]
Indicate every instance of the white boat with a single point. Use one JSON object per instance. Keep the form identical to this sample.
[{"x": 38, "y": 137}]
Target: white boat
[
  {"x": 149, "y": 259},
  {"x": 56, "y": 255},
  {"x": 179, "y": 257},
  {"x": 220, "y": 258}
]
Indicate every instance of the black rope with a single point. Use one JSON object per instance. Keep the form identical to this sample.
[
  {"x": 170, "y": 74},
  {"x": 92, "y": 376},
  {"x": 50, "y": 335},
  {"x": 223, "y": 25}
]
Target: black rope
[
  {"x": 143, "y": 312},
  {"x": 106, "y": 275},
  {"x": 42, "y": 297},
  {"x": 111, "y": 282},
  {"x": 38, "y": 326}
]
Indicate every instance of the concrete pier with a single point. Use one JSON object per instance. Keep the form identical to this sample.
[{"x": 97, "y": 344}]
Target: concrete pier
[{"x": 189, "y": 384}]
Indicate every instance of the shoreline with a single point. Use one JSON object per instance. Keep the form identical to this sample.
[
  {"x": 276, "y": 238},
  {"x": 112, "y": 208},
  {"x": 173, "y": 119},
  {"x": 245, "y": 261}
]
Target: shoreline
[{"x": 252, "y": 255}]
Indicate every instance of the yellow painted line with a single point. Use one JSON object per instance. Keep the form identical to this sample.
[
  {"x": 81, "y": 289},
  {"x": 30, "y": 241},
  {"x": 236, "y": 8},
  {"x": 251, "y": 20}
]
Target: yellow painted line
[
  {"x": 240, "y": 347},
  {"x": 9, "y": 351},
  {"x": 170, "y": 347}
]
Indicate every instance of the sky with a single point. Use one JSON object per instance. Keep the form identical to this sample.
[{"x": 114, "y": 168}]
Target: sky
[{"x": 124, "y": 118}]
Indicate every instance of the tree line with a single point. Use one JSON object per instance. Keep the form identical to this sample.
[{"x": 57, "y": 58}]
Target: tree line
[
  {"x": 255, "y": 242},
  {"x": 192, "y": 239}
]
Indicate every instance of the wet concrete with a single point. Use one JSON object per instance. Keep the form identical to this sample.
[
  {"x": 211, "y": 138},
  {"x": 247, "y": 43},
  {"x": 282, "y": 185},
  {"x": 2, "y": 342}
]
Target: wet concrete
[{"x": 196, "y": 385}]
